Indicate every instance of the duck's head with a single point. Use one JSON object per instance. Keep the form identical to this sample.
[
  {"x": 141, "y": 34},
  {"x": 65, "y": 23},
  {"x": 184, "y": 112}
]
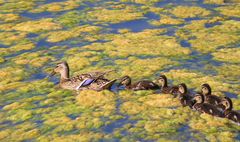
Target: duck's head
[
  {"x": 125, "y": 81},
  {"x": 206, "y": 89},
  {"x": 61, "y": 68},
  {"x": 182, "y": 88},
  {"x": 162, "y": 80},
  {"x": 226, "y": 104},
  {"x": 198, "y": 98}
]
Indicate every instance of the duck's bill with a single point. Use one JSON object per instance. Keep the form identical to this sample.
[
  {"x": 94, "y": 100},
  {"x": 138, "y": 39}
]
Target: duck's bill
[{"x": 52, "y": 74}]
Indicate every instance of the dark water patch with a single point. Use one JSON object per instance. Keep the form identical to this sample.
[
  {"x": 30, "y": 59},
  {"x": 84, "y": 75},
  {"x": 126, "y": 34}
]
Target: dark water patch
[
  {"x": 35, "y": 16},
  {"x": 185, "y": 43},
  {"x": 209, "y": 25},
  {"x": 37, "y": 76},
  {"x": 44, "y": 43},
  {"x": 235, "y": 18},
  {"x": 231, "y": 95},
  {"x": 52, "y": 1},
  {"x": 3, "y": 46},
  {"x": 116, "y": 124},
  {"x": 152, "y": 16},
  {"x": 134, "y": 26},
  {"x": 32, "y": 35},
  {"x": 73, "y": 116},
  {"x": 192, "y": 19}
]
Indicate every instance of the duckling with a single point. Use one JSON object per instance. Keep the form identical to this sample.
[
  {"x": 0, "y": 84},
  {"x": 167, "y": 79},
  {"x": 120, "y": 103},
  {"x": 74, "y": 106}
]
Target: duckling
[
  {"x": 227, "y": 106},
  {"x": 184, "y": 97},
  {"x": 140, "y": 85},
  {"x": 164, "y": 86},
  {"x": 202, "y": 107},
  {"x": 92, "y": 81},
  {"x": 209, "y": 98}
]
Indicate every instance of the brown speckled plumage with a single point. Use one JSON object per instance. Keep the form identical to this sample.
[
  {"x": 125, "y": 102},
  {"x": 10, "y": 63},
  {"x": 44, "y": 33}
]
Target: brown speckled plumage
[{"x": 140, "y": 85}]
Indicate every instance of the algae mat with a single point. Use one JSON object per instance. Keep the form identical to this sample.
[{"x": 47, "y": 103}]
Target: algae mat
[{"x": 191, "y": 41}]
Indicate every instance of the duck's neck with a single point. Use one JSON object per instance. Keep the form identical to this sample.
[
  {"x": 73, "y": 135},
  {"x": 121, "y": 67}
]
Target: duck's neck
[
  {"x": 64, "y": 74},
  {"x": 164, "y": 84}
]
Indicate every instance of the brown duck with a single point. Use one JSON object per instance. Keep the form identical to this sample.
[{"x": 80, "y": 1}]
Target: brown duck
[
  {"x": 207, "y": 93},
  {"x": 140, "y": 85},
  {"x": 227, "y": 106},
  {"x": 202, "y": 107},
  {"x": 185, "y": 97},
  {"x": 164, "y": 86},
  {"x": 91, "y": 81}
]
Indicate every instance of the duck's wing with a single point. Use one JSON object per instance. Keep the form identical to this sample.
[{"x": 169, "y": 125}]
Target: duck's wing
[
  {"x": 99, "y": 74},
  {"x": 145, "y": 85},
  {"x": 85, "y": 82},
  {"x": 108, "y": 85}
]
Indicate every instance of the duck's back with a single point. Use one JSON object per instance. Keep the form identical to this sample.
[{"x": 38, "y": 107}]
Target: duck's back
[
  {"x": 209, "y": 109},
  {"x": 234, "y": 116},
  {"x": 144, "y": 85},
  {"x": 212, "y": 99}
]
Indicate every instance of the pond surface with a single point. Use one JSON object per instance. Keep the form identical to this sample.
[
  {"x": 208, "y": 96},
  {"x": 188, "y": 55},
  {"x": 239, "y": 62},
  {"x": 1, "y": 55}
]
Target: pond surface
[{"x": 190, "y": 41}]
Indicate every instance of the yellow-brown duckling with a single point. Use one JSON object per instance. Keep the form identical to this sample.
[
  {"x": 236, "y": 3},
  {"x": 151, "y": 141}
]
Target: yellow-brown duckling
[
  {"x": 91, "y": 81},
  {"x": 207, "y": 93},
  {"x": 165, "y": 89},
  {"x": 202, "y": 107},
  {"x": 227, "y": 105},
  {"x": 140, "y": 85}
]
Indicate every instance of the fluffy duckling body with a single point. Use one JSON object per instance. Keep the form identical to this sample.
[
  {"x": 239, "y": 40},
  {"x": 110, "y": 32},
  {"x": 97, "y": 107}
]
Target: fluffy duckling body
[
  {"x": 92, "y": 81},
  {"x": 202, "y": 107},
  {"x": 165, "y": 89},
  {"x": 140, "y": 85},
  {"x": 227, "y": 106},
  {"x": 208, "y": 97},
  {"x": 185, "y": 97}
]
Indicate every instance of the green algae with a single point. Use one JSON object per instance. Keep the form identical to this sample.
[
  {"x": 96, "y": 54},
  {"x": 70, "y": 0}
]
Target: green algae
[
  {"x": 139, "y": 68},
  {"x": 189, "y": 11},
  {"x": 72, "y": 18},
  {"x": 44, "y": 24},
  {"x": 214, "y": 1},
  {"x": 230, "y": 10},
  {"x": 17, "y": 5},
  {"x": 209, "y": 39},
  {"x": 8, "y": 38},
  {"x": 9, "y": 17},
  {"x": 57, "y": 6},
  {"x": 131, "y": 44},
  {"x": 57, "y": 36},
  {"x": 195, "y": 79},
  {"x": 167, "y": 20},
  {"x": 116, "y": 15},
  {"x": 231, "y": 55},
  {"x": 142, "y": 1}
]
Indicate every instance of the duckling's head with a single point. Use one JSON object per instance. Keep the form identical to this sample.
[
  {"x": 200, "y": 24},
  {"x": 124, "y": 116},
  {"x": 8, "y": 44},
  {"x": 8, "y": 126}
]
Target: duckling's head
[
  {"x": 206, "y": 89},
  {"x": 61, "y": 68},
  {"x": 198, "y": 98},
  {"x": 226, "y": 103},
  {"x": 162, "y": 80},
  {"x": 125, "y": 81},
  {"x": 182, "y": 88}
]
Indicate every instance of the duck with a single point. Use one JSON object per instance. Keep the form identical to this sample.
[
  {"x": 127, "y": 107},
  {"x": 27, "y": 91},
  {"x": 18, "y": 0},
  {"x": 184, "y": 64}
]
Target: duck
[
  {"x": 91, "y": 81},
  {"x": 207, "y": 93},
  {"x": 165, "y": 89},
  {"x": 227, "y": 106},
  {"x": 202, "y": 107},
  {"x": 140, "y": 85},
  {"x": 184, "y": 96}
]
